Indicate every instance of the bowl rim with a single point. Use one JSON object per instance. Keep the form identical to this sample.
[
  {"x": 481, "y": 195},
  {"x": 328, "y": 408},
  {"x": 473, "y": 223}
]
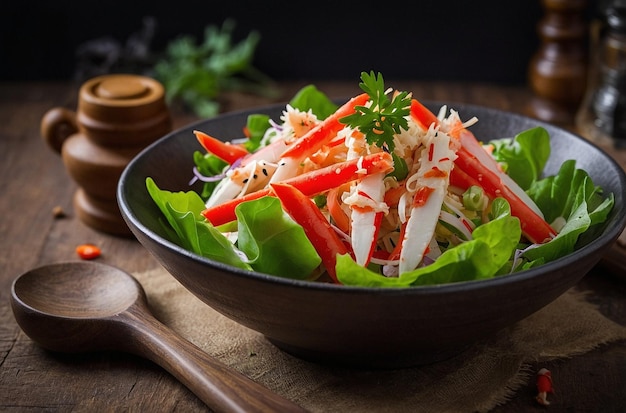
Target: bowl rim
[{"x": 609, "y": 234}]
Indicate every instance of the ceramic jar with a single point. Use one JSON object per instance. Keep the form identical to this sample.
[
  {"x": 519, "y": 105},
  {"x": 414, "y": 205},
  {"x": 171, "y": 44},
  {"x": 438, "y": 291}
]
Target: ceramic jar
[{"x": 117, "y": 116}]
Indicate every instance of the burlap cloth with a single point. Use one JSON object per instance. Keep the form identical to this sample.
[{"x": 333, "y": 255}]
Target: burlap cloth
[{"x": 477, "y": 380}]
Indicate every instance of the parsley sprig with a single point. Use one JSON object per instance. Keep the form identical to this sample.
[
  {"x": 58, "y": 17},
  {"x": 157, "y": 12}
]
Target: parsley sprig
[
  {"x": 199, "y": 74},
  {"x": 385, "y": 117}
]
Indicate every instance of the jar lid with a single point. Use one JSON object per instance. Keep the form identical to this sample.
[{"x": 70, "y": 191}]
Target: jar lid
[
  {"x": 123, "y": 88},
  {"x": 121, "y": 98},
  {"x": 123, "y": 109}
]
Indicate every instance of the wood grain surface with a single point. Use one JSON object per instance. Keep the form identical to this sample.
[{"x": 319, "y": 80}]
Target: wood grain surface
[{"x": 33, "y": 182}]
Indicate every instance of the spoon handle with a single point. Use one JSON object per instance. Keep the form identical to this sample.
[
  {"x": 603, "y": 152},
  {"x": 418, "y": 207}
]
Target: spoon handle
[{"x": 217, "y": 385}]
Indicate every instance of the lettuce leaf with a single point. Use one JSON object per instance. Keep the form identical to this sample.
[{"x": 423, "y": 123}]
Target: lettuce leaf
[
  {"x": 269, "y": 241},
  {"x": 273, "y": 242},
  {"x": 555, "y": 195},
  {"x": 524, "y": 156},
  {"x": 183, "y": 212},
  {"x": 208, "y": 165},
  {"x": 569, "y": 196},
  {"x": 256, "y": 124},
  {"x": 572, "y": 196},
  {"x": 309, "y": 97}
]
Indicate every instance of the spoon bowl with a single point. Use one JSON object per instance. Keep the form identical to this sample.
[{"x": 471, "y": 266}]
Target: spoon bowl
[
  {"x": 87, "y": 306},
  {"x": 66, "y": 307}
]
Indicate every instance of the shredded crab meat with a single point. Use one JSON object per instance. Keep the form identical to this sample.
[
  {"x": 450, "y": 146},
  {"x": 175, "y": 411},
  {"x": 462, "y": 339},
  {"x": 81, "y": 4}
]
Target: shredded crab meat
[{"x": 297, "y": 122}]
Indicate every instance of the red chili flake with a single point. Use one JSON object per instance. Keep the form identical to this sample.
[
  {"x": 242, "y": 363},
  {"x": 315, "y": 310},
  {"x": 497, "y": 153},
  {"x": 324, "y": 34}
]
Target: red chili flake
[
  {"x": 431, "y": 150},
  {"x": 88, "y": 251}
]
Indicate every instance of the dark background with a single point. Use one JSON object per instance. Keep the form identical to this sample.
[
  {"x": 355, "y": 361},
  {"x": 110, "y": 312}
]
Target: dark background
[{"x": 481, "y": 40}]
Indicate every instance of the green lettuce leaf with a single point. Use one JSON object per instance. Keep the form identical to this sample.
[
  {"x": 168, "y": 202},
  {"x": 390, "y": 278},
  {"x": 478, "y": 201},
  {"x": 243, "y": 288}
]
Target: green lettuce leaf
[
  {"x": 273, "y": 242},
  {"x": 555, "y": 195},
  {"x": 208, "y": 165},
  {"x": 309, "y": 97},
  {"x": 524, "y": 156},
  {"x": 256, "y": 125},
  {"x": 572, "y": 195},
  {"x": 183, "y": 212}
]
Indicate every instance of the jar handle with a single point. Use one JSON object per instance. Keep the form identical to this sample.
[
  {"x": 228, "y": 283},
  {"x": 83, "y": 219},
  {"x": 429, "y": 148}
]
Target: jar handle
[{"x": 57, "y": 125}]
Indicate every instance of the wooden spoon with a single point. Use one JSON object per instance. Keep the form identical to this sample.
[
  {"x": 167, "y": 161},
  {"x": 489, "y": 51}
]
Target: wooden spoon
[{"x": 87, "y": 306}]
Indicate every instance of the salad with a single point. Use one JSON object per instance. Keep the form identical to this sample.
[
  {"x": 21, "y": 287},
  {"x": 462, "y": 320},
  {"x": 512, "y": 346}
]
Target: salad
[{"x": 379, "y": 192}]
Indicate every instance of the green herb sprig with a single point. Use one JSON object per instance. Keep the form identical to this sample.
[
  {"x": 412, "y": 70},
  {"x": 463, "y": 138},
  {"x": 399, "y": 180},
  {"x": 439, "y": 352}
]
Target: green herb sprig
[
  {"x": 385, "y": 117},
  {"x": 197, "y": 75}
]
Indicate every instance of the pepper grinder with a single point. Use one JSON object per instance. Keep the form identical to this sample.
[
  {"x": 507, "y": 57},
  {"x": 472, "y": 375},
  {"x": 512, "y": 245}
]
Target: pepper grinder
[
  {"x": 117, "y": 116},
  {"x": 558, "y": 70},
  {"x": 602, "y": 115}
]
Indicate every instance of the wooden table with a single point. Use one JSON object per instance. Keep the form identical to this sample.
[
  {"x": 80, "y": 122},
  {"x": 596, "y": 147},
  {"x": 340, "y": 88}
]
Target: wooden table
[{"x": 34, "y": 181}]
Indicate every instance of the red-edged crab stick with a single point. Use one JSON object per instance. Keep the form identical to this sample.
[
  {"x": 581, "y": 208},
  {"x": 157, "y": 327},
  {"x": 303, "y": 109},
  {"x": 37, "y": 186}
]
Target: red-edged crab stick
[
  {"x": 476, "y": 163},
  {"x": 226, "y": 151},
  {"x": 367, "y": 206},
  {"x": 314, "y": 139},
  {"x": 316, "y": 227},
  {"x": 311, "y": 183},
  {"x": 431, "y": 184}
]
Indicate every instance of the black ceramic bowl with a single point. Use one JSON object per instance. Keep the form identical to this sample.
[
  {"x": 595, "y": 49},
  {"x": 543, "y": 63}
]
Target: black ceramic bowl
[{"x": 367, "y": 327}]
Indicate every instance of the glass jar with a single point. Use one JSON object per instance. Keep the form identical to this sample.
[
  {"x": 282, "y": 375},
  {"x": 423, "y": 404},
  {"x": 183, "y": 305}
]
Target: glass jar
[{"x": 602, "y": 115}]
